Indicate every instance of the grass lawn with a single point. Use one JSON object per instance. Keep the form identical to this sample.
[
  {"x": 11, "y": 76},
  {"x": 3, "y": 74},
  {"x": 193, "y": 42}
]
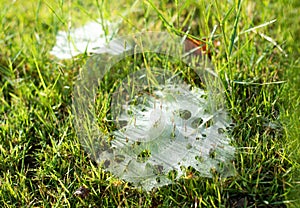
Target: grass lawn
[{"x": 43, "y": 163}]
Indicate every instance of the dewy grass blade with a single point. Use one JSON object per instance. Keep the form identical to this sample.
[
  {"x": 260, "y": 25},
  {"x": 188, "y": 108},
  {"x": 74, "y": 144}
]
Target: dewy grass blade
[
  {"x": 39, "y": 71},
  {"x": 234, "y": 32},
  {"x": 54, "y": 12},
  {"x": 160, "y": 14},
  {"x": 259, "y": 26},
  {"x": 222, "y": 26},
  {"x": 273, "y": 42}
]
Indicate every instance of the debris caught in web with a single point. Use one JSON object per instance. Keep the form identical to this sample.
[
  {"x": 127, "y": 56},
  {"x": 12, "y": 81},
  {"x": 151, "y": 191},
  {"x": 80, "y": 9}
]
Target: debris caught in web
[{"x": 161, "y": 125}]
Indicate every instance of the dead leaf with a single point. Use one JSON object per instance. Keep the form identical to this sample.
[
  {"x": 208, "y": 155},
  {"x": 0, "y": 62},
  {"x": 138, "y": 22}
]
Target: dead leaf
[{"x": 198, "y": 47}]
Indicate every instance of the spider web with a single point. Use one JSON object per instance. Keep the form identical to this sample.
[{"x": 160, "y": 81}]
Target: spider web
[{"x": 162, "y": 132}]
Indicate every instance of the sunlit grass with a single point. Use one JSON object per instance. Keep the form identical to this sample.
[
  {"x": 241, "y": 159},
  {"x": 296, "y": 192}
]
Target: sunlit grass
[{"x": 42, "y": 160}]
